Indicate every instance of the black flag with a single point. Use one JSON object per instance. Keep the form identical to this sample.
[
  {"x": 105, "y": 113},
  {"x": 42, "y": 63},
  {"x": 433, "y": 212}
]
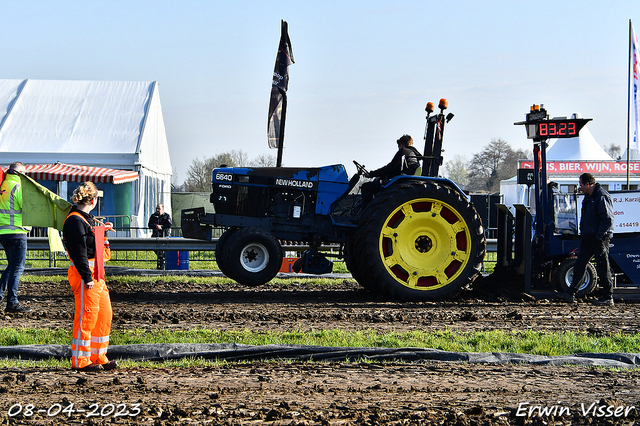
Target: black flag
[{"x": 277, "y": 105}]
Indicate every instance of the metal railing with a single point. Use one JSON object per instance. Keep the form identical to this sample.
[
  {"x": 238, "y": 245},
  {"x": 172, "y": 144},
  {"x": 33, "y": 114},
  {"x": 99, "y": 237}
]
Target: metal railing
[{"x": 143, "y": 250}]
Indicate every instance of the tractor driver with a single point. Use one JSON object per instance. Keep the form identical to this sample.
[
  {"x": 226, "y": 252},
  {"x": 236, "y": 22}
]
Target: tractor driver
[{"x": 406, "y": 161}]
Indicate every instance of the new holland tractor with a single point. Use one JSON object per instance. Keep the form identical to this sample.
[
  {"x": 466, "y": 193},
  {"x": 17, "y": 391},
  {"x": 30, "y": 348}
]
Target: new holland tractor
[{"x": 420, "y": 239}]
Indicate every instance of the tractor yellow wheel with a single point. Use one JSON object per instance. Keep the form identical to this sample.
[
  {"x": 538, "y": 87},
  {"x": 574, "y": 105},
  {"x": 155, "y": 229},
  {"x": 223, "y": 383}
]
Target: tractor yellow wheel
[
  {"x": 425, "y": 243},
  {"x": 420, "y": 241}
]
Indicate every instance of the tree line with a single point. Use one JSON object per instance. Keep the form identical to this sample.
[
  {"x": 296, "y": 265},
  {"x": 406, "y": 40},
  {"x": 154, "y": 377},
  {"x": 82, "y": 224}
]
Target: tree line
[
  {"x": 495, "y": 162},
  {"x": 199, "y": 172}
]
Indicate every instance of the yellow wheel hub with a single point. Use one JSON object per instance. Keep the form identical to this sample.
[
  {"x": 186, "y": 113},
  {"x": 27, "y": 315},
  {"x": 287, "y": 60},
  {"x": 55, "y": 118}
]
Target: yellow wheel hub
[{"x": 425, "y": 244}]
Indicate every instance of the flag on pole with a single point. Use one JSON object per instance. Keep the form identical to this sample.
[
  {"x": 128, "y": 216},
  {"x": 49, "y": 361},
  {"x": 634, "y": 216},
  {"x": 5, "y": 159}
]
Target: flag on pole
[
  {"x": 43, "y": 208},
  {"x": 279, "y": 86},
  {"x": 634, "y": 143}
]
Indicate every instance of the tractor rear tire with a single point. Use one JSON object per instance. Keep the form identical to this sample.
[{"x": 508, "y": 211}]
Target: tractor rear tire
[
  {"x": 252, "y": 256},
  {"x": 563, "y": 277},
  {"x": 353, "y": 264},
  {"x": 420, "y": 241},
  {"x": 220, "y": 247}
]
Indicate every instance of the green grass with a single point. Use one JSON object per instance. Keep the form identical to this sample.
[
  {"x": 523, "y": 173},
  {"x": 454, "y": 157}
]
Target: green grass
[
  {"x": 526, "y": 341},
  {"x": 199, "y": 260},
  {"x": 130, "y": 279}
]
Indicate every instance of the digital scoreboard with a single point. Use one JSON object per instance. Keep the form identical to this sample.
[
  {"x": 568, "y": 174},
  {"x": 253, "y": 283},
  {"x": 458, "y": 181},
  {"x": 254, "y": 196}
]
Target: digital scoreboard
[
  {"x": 540, "y": 127},
  {"x": 551, "y": 129}
]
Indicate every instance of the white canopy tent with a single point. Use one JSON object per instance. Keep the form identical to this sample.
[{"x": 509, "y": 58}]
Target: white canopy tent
[
  {"x": 634, "y": 155},
  {"x": 583, "y": 147},
  {"x": 566, "y": 160},
  {"x": 109, "y": 124}
]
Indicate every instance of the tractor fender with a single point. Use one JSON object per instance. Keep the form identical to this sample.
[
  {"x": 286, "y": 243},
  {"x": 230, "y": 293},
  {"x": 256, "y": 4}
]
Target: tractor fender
[{"x": 441, "y": 181}]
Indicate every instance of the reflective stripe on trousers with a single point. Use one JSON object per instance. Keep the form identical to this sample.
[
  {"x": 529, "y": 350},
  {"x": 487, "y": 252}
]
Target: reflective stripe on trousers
[{"x": 91, "y": 322}]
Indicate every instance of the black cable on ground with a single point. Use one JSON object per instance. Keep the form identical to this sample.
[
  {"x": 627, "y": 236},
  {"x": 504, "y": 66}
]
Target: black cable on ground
[{"x": 236, "y": 352}]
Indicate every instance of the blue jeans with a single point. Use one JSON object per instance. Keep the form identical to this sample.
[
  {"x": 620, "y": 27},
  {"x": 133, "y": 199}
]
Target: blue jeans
[{"x": 16, "y": 251}]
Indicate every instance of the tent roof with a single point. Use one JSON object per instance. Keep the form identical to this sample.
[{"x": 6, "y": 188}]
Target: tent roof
[
  {"x": 116, "y": 124},
  {"x": 72, "y": 116},
  {"x": 583, "y": 147},
  {"x": 73, "y": 173}
]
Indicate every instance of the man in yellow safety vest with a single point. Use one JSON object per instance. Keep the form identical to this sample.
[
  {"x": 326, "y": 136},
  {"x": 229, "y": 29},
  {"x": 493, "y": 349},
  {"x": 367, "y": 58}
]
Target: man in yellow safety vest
[{"x": 13, "y": 237}]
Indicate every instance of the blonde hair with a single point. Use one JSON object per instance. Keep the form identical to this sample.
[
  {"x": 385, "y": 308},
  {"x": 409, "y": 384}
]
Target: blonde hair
[{"x": 86, "y": 192}]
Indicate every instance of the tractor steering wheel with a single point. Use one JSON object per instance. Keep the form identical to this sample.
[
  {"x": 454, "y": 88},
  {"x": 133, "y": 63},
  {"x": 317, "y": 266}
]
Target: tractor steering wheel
[{"x": 361, "y": 169}]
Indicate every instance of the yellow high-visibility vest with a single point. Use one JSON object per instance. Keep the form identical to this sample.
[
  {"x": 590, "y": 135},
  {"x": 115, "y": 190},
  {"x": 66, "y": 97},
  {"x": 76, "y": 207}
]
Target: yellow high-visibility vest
[{"x": 11, "y": 206}]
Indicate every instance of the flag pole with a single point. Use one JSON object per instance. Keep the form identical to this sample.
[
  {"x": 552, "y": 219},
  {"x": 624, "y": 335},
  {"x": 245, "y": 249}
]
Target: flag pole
[
  {"x": 629, "y": 99},
  {"x": 282, "y": 120}
]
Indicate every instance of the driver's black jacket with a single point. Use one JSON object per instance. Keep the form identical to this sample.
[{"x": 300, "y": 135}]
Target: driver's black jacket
[{"x": 396, "y": 166}]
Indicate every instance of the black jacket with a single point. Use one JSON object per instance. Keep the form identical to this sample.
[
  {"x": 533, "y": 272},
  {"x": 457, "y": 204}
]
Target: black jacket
[
  {"x": 396, "y": 166},
  {"x": 163, "y": 220},
  {"x": 80, "y": 242},
  {"x": 597, "y": 213}
]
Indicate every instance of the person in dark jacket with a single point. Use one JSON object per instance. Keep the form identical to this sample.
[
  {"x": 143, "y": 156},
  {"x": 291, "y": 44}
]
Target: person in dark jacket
[
  {"x": 405, "y": 161},
  {"x": 160, "y": 223},
  {"x": 596, "y": 230}
]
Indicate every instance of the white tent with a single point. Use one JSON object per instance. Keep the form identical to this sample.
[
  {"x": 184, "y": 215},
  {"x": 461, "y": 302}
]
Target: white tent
[
  {"x": 573, "y": 152},
  {"x": 635, "y": 155},
  {"x": 583, "y": 147},
  {"x": 109, "y": 124}
]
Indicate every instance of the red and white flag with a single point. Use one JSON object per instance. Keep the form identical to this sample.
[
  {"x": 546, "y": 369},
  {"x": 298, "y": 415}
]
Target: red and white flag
[{"x": 634, "y": 74}]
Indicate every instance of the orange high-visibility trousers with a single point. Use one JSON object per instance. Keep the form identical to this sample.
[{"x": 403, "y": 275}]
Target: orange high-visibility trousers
[{"x": 91, "y": 322}]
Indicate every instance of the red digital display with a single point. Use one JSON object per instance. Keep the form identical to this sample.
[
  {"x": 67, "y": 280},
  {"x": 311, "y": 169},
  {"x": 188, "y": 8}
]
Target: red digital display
[
  {"x": 557, "y": 129},
  {"x": 539, "y": 128}
]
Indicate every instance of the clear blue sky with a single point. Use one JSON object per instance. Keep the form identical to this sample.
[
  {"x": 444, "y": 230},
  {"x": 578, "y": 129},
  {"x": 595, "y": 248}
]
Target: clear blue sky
[{"x": 364, "y": 69}]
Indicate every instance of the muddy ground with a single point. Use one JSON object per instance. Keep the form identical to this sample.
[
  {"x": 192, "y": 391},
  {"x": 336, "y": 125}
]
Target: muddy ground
[{"x": 297, "y": 393}]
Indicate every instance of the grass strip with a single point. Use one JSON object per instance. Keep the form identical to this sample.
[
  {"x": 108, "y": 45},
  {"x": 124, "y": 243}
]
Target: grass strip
[
  {"x": 131, "y": 279},
  {"x": 525, "y": 341}
]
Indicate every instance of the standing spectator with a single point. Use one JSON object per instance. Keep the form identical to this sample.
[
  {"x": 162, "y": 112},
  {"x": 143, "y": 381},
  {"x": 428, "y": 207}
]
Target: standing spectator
[
  {"x": 596, "y": 229},
  {"x": 13, "y": 237},
  {"x": 160, "y": 223},
  {"x": 93, "y": 314}
]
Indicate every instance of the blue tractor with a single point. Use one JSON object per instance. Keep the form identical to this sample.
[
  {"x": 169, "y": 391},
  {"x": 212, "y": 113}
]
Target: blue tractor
[{"x": 420, "y": 239}]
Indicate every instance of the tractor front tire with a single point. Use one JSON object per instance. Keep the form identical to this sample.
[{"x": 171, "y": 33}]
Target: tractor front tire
[
  {"x": 420, "y": 241},
  {"x": 252, "y": 256},
  {"x": 220, "y": 247}
]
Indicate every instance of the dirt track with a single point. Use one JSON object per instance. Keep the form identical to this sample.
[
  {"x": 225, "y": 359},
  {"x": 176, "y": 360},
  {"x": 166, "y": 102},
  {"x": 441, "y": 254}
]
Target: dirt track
[{"x": 305, "y": 393}]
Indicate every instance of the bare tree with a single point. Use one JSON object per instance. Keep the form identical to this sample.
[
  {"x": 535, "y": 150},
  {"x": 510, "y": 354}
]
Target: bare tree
[
  {"x": 614, "y": 151},
  {"x": 497, "y": 161},
  {"x": 264, "y": 160},
  {"x": 199, "y": 175},
  {"x": 199, "y": 172},
  {"x": 456, "y": 169}
]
